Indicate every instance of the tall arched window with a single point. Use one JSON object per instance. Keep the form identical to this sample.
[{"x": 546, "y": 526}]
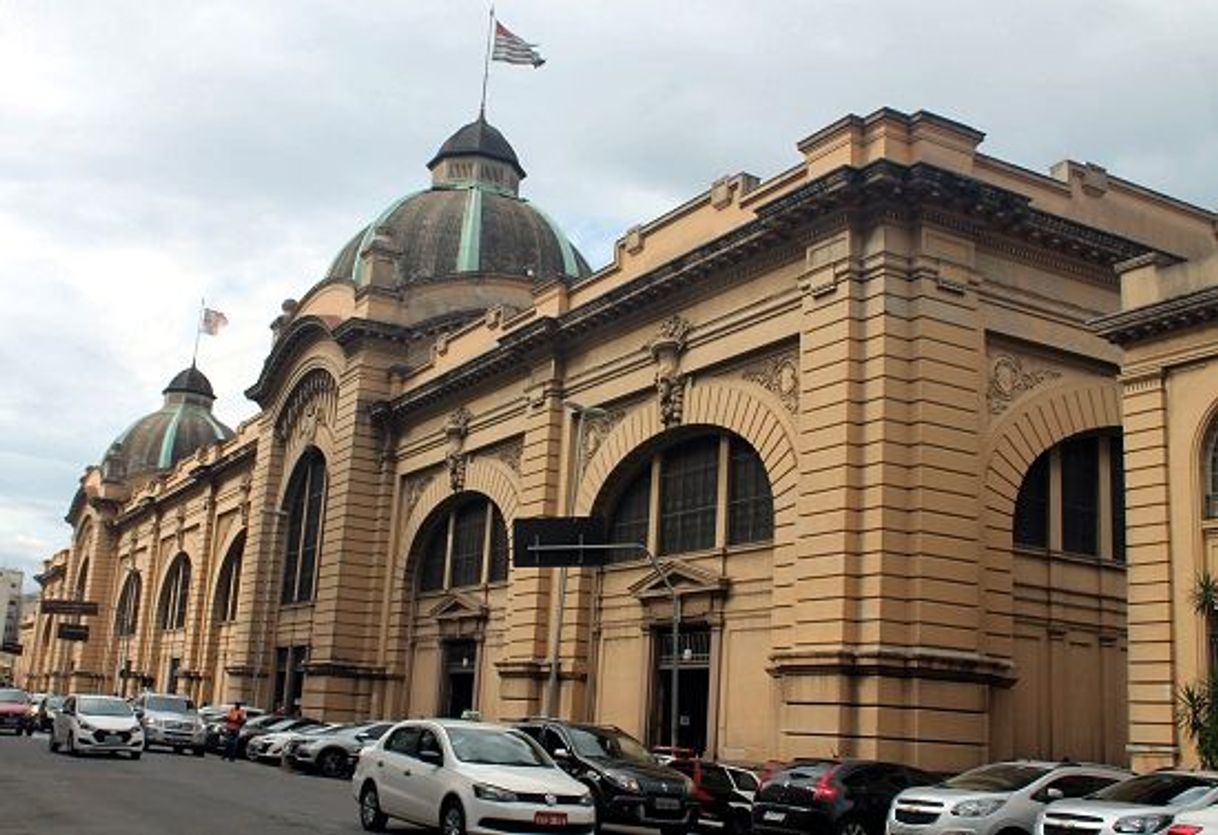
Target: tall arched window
[
  {"x": 171, "y": 613},
  {"x": 707, "y": 491},
  {"x": 304, "y": 505},
  {"x": 228, "y": 583},
  {"x": 126, "y": 615},
  {"x": 464, "y": 544},
  {"x": 1211, "y": 473},
  {"x": 1072, "y": 499},
  {"x": 82, "y": 580}
]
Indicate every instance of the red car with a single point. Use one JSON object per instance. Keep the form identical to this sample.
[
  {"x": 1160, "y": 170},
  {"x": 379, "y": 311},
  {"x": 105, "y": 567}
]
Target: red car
[{"x": 15, "y": 711}]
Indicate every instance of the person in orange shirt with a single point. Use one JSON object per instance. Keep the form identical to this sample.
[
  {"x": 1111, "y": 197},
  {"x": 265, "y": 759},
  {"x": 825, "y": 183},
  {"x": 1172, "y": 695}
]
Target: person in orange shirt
[{"x": 233, "y": 721}]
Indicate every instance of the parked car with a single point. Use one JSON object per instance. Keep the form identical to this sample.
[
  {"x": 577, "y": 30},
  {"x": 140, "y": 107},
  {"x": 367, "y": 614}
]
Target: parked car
[
  {"x": 267, "y": 725},
  {"x": 847, "y": 797},
  {"x": 1200, "y": 822},
  {"x": 626, "y": 782},
  {"x": 213, "y": 720},
  {"x": 15, "y": 711},
  {"x": 725, "y": 794},
  {"x": 268, "y": 748},
  {"x": 97, "y": 724},
  {"x": 467, "y": 777},
  {"x": 171, "y": 721},
  {"x": 1000, "y": 797},
  {"x": 333, "y": 753},
  {"x": 1137, "y": 806},
  {"x": 44, "y": 713}
]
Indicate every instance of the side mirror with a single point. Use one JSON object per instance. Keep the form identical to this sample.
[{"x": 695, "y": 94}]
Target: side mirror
[
  {"x": 431, "y": 756},
  {"x": 1048, "y": 795},
  {"x": 139, "y": 713},
  {"x": 561, "y": 754},
  {"x": 362, "y": 736}
]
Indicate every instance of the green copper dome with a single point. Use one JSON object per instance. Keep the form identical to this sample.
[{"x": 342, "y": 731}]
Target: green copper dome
[
  {"x": 161, "y": 439},
  {"x": 472, "y": 221}
]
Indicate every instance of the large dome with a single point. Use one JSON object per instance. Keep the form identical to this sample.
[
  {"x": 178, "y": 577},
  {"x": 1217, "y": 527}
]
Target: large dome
[
  {"x": 159, "y": 440},
  {"x": 472, "y": 221}
]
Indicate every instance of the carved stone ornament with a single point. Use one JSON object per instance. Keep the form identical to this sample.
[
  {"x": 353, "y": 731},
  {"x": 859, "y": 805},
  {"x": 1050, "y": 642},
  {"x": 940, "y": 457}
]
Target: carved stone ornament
[
  {"x": 456, "y": 430},
  {"x": 413, "y": 490},
  {"x": 666, "y": 349},
  {"x": 778, "y": 374},
  {"x": 311, "y": 405},
  {"x": 510, "y": 453},
  {"x": 1009, "y": 380},
  {"x": 598, "y": 430}
]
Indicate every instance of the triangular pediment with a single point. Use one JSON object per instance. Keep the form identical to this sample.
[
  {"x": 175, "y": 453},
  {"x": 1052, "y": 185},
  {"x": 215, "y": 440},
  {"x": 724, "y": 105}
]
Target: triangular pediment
[
  {"x": 686, "y": 579},
  {"x": 458, "y": 606}
]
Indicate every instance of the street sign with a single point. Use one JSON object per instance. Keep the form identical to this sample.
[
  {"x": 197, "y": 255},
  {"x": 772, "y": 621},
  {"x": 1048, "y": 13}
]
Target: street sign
[
  {"x": 72, "y": 632},
  {"x": 555, "y": 541},
  {"x": 11, "y": 647},
  {"x": 67, "y": 607}
]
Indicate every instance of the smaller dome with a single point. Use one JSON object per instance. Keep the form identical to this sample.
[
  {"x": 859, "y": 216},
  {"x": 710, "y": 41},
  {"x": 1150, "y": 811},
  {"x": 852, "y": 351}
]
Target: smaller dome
[
  {"x": 478, "y": 139},
  {"x": 161, "y": 439}
]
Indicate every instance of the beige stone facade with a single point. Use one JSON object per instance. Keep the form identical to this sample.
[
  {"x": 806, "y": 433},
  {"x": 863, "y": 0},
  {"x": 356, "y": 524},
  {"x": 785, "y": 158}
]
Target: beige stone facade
[{"x": 818, "y": 398}]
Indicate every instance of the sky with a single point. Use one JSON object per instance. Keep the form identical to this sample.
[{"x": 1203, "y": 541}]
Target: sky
[{"x": 156, "y": 154}]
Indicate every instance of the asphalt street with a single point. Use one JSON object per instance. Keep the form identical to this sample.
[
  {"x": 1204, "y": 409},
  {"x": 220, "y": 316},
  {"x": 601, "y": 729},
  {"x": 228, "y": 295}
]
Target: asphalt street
[{"x": 162, "y": 794}]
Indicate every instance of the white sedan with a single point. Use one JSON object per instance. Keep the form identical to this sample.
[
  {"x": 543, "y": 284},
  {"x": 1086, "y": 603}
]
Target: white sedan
[
  {"x": 97, "y": 725},
  {"x": 467, "y": 777}
]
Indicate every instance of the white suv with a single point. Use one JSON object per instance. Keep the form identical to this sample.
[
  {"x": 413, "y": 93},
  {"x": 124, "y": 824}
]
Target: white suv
[
  {"x": 467, "y": 777},
  {"x": 1001, "y": 797},
  {"x": 97, "y": 724},
  {"x": 1139, "y": 806}
]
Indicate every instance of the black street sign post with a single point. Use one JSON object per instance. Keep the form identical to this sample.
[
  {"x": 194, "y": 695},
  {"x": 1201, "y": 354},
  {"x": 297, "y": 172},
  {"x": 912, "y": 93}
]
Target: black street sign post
[
  {"x": 68, "y": 607},
  {"x": 72, "y": 632},
  {"x": 556, "y": 541}
]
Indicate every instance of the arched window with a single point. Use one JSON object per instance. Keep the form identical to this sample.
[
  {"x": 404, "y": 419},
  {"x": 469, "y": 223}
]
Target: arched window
[
  {"x": 228, "y": 583},
  {"x": 1072, "y": 498},
  {"x": 171, "y": 613},
  {"x": 704, "y": 492},
  {"x": 1211, "y": 473},
  {"x": 464, "y": 545},
  {"x": 304, "y": 505},
  {"x": 126, "y": 615},
  {"x": 82, "y": 580}
]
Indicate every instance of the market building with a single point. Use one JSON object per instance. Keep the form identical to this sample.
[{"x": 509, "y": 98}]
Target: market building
[{"x": 856, "y": 409}]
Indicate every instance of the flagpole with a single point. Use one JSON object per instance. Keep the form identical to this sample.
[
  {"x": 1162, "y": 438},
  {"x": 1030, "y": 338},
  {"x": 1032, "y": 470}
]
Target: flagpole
[
  {"x": 198, "y": 330},
  {"x": 486, "y": 64}
]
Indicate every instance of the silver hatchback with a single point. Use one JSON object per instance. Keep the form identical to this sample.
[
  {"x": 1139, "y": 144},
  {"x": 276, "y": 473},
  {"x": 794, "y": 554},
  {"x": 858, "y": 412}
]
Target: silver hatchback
[
  {"x": 1001, "y": 797},
  {"x": 1139, "y": 806}
]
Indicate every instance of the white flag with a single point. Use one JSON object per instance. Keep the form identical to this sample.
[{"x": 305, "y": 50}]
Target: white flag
[
  {"x": 212, "y": 321},
  {"x": 513, "y": 49}
]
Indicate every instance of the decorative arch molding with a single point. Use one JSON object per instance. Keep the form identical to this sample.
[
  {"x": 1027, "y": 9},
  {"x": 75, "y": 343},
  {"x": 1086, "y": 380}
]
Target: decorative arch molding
[
  {"x": 309, "y": 410},
  {"x": 488, "y": 476},
  {"x": 1204, "y": 443},
  {"x": 1034, "y": 426},
  {"x": 757, "y": 416}
]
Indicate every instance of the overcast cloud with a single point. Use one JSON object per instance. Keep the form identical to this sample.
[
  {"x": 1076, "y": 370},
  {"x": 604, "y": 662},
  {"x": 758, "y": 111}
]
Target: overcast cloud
[{"x": 153, "y": 153}]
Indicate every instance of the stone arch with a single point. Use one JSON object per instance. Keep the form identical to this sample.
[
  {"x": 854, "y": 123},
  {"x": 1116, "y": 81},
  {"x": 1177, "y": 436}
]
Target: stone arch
[
  {"x": 1204, "y": 459},
  {"x": 769, "y": 429},
  {"x": 1035, "y": 426}
]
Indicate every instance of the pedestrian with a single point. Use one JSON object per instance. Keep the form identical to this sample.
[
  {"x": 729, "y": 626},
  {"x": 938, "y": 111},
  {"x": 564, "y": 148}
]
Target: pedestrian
[{"x": 233, "y": 721}]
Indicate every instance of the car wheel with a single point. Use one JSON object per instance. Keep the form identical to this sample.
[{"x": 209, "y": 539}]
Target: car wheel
[
  {"x": 52, "y": 744},
  {"x": 332, "y": 764},
  {"x": 370, "y": 815},
  {"x": 673, "y": 830},
  {"x": 198, "y": 752},
  {"x": 851, "y": 826},
  {"x": 452, "y": 818},
  {"x": 71, "y": 746},
  {"x": 135, "y": 755}
]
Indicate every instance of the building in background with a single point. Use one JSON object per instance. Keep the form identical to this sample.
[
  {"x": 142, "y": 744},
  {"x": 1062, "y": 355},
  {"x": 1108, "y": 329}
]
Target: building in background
[
  {"x": 10, "y": 621},
  {"x": 856, "y": 408}
]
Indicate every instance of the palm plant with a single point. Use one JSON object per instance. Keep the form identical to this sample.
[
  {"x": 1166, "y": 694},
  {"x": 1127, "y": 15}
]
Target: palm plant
[{"x": 1198, "y": 702}]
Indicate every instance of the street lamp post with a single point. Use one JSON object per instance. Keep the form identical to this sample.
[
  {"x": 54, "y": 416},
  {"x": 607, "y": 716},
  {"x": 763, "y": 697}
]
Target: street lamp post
[
  {"x": 266, "y": 609},
  {"x": 581, "y": 413}
]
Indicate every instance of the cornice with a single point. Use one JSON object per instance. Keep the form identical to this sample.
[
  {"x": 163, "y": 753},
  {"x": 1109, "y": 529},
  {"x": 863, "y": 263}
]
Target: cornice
[
  {"x": 294, "y": 338},
  {"x": 843, "y": 196},
  {"x": 1142, "y": 323}
]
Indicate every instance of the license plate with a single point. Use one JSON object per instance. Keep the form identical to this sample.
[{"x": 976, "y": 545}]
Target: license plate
[
  {"x": 113, "y": 738},
  {"x": 774, "y": 816},
  {"x": 667, "y": 803},
  {"x": 550, "y": 818}
]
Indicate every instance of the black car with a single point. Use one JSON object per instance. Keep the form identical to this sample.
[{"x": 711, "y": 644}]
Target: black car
[
  {"x": 846, "y": 797},
  {"x": 725, "y": 794},
  {"x": 629, "y": 786}
]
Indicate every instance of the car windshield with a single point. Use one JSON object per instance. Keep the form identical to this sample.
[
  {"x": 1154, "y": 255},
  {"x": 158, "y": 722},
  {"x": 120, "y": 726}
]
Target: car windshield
[
  {"x": 490, "y": 746},
  {"x": 169, "y": 704},
  {"x": 19, "y": 697},
  {"x": 1002, "y": 777},
  {"x": 94, "y": 706},
  {"x": 606, "y": 743},
  {"x": 744, "y": 780},
  {"x": 1158, "y": 789},
  {"x": 54, "y": 702}
]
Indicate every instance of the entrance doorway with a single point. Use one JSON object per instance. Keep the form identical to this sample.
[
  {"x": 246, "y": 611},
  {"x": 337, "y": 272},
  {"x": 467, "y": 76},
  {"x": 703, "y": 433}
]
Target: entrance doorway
[
  {"x": 460, "y": 664},
  {"x": 693, "y": 696}
]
